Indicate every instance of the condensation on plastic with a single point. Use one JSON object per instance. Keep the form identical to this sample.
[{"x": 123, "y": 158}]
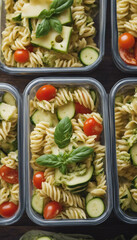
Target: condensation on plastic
[
  {"x": 114, "y": 42},
  {"x": 29, "y": 94},
  {"x": 121, "y": 87},
  {"x": 101, "y": 28},
  {"x": 4, "y": 87}
]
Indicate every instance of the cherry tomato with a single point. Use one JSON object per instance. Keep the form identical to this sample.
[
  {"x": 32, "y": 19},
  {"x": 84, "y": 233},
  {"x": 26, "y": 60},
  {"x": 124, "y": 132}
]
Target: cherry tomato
[
  {"x": 51, "y": 210},
  {"x": 91, "y": 127},
  {"x": 126, "y": 40},
  {"x": 127, "y": 56},
  {"x": 38, "y": 178},
  {"x": 30, "y": 48},
  {"x": 9, "y": 175},
  {"x": 81, "y": 109},
  {"x": 46, "y": 92},
  {"x": 21, "y": 55},
  {"x": 8, "y": 209}
]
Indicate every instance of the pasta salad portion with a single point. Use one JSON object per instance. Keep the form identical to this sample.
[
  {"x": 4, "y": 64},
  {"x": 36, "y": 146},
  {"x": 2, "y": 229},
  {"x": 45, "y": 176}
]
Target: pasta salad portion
[
  {"x": 67, "y": 156},
  {"x": 126, "y": 148},
  {"x": 127, "y": 30},
  {"x": 9, "y": 185},
  {"x": 49, "y": 33}
]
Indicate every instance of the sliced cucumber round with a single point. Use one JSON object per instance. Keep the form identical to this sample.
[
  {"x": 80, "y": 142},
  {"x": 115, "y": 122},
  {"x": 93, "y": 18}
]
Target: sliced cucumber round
[
  {"x": 95, "y": 207},
  {"x": 133, "y": 153},
  {"x": 88, "y": 55},
  {"x": 37, "y": 203},
  {"x": 9, "y": 99},
  {"x": 67, "y": 110},
  {"x": 45, "y": 116}
]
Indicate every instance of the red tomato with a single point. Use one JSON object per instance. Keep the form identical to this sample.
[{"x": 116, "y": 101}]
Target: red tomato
[
  {"x": 38, "y": 178},
  {"x": 81, "y": 109},
  {"x": 9, "y": 175},
  {"x": 8, "y": 209},
  {"x": 30, "y": 48},
  {"x": 46, "y": 92},
  {"x": 91, "y": 127},
  {"x": 126, "y": 41},
  {"x": 127, "y": 56},
  {"x": 51, "y": 210},
  {"x": 21, "y": 55}
]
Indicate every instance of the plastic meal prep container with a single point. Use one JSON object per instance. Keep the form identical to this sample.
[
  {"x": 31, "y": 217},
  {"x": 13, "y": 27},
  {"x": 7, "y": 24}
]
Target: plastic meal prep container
[
  {"x": 100, "y": 24},
  {"x": 122, "y": 86},
  {"x": 29, "y": 93},
  {"x": 4, "y": 87},
  {"x": 114, "y": 42}
]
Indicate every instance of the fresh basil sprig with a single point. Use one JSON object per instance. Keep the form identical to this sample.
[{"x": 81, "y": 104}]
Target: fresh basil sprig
[
  {"x": 62, "y": 160},
  {"x": 56, "y": 7},
  {"x": 56, "y": 24},
  {"x": 63, "y": 132},
  {"x": 43, "y": 28}
]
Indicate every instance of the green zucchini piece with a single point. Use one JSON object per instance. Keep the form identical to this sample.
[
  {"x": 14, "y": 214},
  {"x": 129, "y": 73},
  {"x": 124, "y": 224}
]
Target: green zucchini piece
[
  {"x": 37, "y": 203},
  {"x": 88, "y": 55},
  {"x": 67, "y": 110},
  {"x": 95, "y": 207}
]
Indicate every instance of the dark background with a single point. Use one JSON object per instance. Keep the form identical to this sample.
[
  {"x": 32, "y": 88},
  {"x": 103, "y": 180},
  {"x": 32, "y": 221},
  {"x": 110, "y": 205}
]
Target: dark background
[{"x": 108, "y": 74}]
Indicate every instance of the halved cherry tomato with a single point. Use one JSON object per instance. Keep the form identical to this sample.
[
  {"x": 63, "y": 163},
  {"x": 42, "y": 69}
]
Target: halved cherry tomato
[
  {"x": 30, "y": 48},
  {"x": 127, "y": 56},
  {"x": 51, "y": 210},
  {"x": 21, "y": 55},
  {"x": 81, "y": 109},
  {"x": 8, "y": 209},
  {"x": 91, "y": 127},
  {"x": 9, "y": 175},
  {"x": 38, "y": 178},
  {"x": 46, "y": 92},
  {"x": 126, "y": 40}
]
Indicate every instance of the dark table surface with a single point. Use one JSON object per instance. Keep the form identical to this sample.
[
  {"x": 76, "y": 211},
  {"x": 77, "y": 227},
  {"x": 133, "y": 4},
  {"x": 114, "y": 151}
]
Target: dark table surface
[{"x": 108, "y": 74}]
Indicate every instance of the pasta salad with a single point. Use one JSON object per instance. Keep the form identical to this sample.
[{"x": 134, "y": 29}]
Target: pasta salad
[
  {"x": 51, "y": 33},
  {"x": 126, "y": 147},
  {"x": 67, "y": 156},
  {"x": 9, "y": 186},
  {"x": 127, "y": 30}
]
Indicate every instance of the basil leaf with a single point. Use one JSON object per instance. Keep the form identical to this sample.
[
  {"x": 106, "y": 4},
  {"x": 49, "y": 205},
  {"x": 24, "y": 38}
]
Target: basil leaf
[
  {"x": 46, "y": 14},
  {"x": 17, "y": 18},
  {"x": 79, "y": 154},
  {"x": 63, "y": 4},
  {"x": 54, "y": 4},
  {"x": 63, "y": 132},
  {"x": 49, "y": 160},
  {"x": 43, "y": 28},
  {"x": 63, "y": 168},
  {"x": 56, "y": 24}
]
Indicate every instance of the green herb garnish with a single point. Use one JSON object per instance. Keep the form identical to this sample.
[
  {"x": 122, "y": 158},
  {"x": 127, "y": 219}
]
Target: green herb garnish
[{"x": 62, "y": 160}]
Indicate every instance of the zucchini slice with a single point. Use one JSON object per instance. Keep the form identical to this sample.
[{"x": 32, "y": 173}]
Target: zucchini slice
[
  {"x": 9, "y": 99},
  {"x": 95, "y": 207},
  {"x": 88, "y": 55},
  {"x": 74, "y": 181},
  {"x": 7, "y": 111},
  {"x": 37, "y": 203},
  {"x": 67, "y": 110},
  {"x": 133, "y": 153},
  {"x": 135, "y": 182},
  {"x": 93, "y": 95},
  {"x": 41, "y": 115},
  {"x": 88, "y": 197}
]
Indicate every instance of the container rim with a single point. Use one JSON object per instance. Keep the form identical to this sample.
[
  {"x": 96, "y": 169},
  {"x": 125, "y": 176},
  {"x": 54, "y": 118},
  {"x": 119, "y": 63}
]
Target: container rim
[
  {"x": 118, "y": 211},
  {"x": 102, "y": 30},
  {"x": 67, "y": 81},
  {"x": 18, "y": 214},
  {"x": 114, "y": 43}
]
